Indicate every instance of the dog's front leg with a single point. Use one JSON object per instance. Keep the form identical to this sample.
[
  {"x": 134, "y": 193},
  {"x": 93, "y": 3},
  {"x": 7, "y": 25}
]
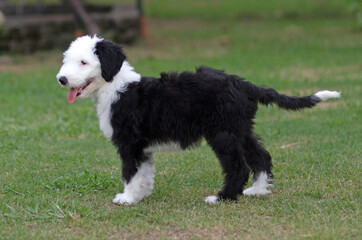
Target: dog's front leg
[{"x": 138, "y": 179}]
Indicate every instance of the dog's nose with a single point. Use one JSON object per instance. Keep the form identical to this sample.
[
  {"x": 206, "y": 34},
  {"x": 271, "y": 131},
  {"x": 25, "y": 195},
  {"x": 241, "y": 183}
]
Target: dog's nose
[{"x": 63, "y": 80}]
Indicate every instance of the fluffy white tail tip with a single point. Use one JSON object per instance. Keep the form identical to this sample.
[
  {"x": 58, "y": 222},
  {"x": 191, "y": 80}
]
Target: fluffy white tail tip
[{"x": 325, "y": 95}]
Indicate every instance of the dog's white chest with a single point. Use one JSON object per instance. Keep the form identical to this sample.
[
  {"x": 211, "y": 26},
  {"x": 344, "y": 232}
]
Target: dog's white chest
[
  {"x": 105, "y": 124},
  {"x": 104, "y": 115},
  {"x": 109, "y": 93}
]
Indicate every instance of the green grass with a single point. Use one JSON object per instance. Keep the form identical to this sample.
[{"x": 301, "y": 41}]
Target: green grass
[{"x": 59, "y": 174}]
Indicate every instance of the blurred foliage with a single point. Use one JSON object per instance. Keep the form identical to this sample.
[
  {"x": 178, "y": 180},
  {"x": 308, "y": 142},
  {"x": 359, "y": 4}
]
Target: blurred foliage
[
  {"x": 59, "y": 1},
  {"x": 235, "y": 9},
  {"x": 355, "y": 6}
]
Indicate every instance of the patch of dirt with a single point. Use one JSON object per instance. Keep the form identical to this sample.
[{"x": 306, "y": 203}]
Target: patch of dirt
[
  {"x": 296, "y": 73},
  {"x": 170, "y": 48},
  {"x": 179, "y": 233},
  {"x": 327, "y": 105},
  {"x": 293, "y": 145},
  {"x": 165, "y": 42}
]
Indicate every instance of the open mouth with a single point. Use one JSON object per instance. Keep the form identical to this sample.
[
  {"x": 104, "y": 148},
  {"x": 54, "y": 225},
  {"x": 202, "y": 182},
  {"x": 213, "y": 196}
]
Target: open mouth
[
  {"x": 86, "y": 85},
  {"x": 75, "y": 92}
]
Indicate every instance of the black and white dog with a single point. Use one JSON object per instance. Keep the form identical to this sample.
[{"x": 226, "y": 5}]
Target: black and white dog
[{"x": 145, "y": 114}]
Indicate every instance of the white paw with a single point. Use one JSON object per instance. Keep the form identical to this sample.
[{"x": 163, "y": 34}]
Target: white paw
[
  {"x": 123, "y": 199},
  {"x": 212, "y": 199},
  {"x": 254, "y": 191}
]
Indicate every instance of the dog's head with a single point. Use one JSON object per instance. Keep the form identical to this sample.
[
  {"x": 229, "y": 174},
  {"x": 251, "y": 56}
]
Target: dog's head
[{"x": 88, "y": 64}]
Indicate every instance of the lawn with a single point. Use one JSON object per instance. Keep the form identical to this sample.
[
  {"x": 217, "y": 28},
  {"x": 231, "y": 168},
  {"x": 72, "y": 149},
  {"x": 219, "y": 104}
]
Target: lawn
[{"x": 59, "y": 174}]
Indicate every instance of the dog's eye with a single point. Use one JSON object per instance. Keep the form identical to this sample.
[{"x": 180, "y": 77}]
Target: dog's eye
[{"x": 83, "y": 62}]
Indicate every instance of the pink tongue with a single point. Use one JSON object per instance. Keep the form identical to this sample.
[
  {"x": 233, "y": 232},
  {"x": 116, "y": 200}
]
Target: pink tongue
[{"x": 72, "y": 95}]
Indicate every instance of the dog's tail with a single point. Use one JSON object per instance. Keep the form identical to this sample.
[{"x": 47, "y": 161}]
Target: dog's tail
[{"x": 268, "y": 96}]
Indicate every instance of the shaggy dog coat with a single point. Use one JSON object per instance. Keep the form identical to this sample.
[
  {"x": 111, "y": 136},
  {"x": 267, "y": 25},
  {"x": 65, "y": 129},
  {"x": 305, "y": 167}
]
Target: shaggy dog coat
[{"x": 176, "y": 110}]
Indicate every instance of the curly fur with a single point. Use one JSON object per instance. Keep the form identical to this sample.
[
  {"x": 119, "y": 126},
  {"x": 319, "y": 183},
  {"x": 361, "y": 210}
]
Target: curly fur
[{"x": 138, "y": 113}]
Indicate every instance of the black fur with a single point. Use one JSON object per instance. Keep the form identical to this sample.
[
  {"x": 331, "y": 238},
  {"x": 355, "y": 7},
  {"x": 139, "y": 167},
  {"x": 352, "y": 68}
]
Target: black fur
[
  {"x": 111, "y": 57},
  {"x": 184, "y": 107}
]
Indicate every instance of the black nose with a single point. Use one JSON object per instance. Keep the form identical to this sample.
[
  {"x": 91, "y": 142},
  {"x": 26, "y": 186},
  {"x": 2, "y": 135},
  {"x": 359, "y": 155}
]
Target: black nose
[{"x": 63, "y": 80}]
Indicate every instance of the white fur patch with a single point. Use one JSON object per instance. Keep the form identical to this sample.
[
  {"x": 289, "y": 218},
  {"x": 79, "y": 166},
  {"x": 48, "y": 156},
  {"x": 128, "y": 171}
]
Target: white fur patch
[
  {"x": 140, "y": 186},
  {"x": 170, "y": 147},
  {"x": 212, "y": 199},
  {"x": 260, "y": 186},
  {"x": 325, "y": 95},
  {"x": 108, "y": 93},
  {"x": 164, "y": 147}
]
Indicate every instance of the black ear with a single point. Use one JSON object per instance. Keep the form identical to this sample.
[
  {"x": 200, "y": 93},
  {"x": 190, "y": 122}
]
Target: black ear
[{"x": 111, "y": 57}]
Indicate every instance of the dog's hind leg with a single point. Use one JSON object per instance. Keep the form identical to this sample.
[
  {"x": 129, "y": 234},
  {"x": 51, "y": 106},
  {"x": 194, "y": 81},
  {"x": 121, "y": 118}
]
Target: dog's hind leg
[
  {"x": 138, "y": 180},
  {"x": 229, "y": 150},
  {"x": 259, "y": 160}
]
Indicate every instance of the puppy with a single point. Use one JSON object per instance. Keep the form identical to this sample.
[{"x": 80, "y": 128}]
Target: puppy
[{"x": 141, "y": 115}]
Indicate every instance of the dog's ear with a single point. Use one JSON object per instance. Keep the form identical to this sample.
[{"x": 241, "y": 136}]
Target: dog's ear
[{"x": 111, "y": 57}]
